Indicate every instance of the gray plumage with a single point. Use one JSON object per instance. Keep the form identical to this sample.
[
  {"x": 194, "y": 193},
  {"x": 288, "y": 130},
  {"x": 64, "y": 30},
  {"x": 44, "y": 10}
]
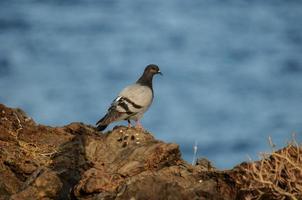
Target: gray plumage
[{"x": 133, "y": 101}]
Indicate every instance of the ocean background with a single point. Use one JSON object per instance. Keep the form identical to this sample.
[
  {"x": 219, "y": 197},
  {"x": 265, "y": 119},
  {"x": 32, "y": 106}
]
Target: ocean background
[{"x": 232, "y": 69}]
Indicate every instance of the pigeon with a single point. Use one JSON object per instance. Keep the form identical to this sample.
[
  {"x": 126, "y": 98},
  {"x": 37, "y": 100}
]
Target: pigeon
[{"x": 132, "y": 102}]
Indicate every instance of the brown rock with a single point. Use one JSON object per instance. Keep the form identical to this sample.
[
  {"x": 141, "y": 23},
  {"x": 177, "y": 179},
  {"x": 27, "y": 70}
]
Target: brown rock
[
  {"x": 46, "y": 186},
  {"x": 77, "y": 162}
]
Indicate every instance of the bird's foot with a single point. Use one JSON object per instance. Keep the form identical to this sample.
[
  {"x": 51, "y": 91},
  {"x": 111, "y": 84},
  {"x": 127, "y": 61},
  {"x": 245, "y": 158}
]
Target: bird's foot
[
  {"x": 129, "y": 124},
  {"x": 139, "y": 126}
]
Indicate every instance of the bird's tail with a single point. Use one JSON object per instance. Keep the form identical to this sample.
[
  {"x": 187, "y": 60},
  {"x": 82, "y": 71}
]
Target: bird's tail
[
  {"x": 106, "y": 120},
  {"x": 101, "y": 125}
]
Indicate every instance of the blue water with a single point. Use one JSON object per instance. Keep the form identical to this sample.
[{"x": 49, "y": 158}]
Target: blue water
[{"x": 232, "y": 69}]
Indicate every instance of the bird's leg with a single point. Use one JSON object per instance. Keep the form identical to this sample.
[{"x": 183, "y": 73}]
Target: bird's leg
[
  {"x": 129, "y": 123},
  {"x": 138, "y": 125}
]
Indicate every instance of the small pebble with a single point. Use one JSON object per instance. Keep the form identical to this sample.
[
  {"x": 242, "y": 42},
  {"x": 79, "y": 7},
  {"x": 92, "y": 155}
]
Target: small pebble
[
  {"x": 200, "y": 181},
  {"x": 121, "y": 131},
  {"x": 137, "y": 142},
  {"x": 27, "y": 119}
]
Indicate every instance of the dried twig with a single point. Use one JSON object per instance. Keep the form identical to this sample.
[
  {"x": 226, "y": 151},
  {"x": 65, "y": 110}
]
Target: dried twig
[
  {"x": 277, "y": 174},
  {"x": 195, "y": 148}
]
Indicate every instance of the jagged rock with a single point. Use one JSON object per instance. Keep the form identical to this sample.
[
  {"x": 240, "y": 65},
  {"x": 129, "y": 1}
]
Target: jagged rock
[{"x": 77, "y": 162}]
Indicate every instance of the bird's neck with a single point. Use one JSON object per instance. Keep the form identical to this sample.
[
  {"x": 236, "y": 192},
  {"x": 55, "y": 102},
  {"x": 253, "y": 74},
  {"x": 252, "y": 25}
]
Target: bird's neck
[{"x": 146, "y": 80}]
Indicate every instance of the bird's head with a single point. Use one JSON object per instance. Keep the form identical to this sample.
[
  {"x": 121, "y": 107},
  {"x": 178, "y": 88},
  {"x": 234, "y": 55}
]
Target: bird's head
[{"x": 152, "y": 70}]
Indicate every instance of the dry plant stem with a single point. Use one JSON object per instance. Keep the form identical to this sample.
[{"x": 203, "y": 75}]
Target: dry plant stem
[
  {"x": 288, "y": 160},
  {"x": 19, "y": 122},
  {"x": 278, "y": 174},
  {"x": 19, "y": 125}
]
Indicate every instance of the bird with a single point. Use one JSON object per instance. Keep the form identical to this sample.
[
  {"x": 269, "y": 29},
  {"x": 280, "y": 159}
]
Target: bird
[{"x": 132, "y": 102}]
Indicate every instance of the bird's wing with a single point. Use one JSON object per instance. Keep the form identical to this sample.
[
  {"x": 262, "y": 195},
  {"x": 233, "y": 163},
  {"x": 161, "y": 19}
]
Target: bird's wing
[
  {"x": 121, "y": 104},
  {"x": 118, "y": 110},
  {"x": 132, "y": 100}
]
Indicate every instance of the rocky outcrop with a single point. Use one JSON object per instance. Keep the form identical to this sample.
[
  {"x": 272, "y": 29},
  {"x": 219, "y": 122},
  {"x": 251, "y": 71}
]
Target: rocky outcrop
[{"x": 78, "y": 162}]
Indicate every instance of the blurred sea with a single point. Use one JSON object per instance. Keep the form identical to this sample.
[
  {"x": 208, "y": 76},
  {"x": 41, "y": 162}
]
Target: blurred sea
[{"x": 232, "y": 69}]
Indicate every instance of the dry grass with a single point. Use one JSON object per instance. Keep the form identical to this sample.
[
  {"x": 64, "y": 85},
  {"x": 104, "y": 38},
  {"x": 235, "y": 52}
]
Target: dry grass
[{"x": 278, "y": 175}]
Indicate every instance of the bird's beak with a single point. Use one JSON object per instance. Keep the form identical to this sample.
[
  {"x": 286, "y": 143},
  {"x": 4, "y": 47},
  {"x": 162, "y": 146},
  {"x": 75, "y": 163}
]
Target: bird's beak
[{"x": 159, "y": 72}]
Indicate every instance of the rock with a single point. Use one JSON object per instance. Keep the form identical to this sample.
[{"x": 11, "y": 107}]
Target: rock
[
  {"x": 77, "y": 162},
  {"x": 46, "y": 186}
]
